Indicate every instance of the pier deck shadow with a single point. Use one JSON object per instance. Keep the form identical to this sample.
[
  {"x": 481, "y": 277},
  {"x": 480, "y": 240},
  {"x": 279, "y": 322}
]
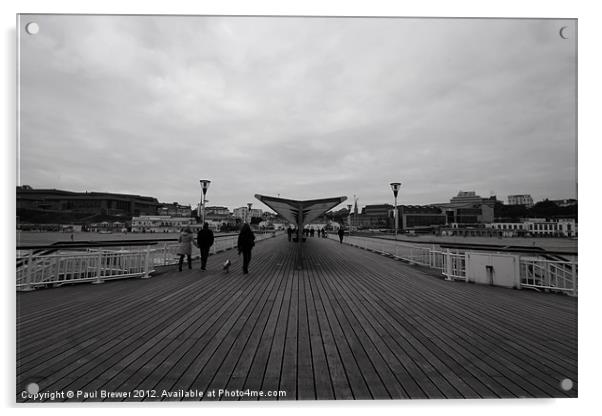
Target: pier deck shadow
[{"x": 350, "y": 325}]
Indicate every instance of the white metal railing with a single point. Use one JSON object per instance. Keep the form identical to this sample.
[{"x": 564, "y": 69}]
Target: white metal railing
[
  {"x": 98, "y": 265},
  {"x": 549, "y": 275},
  {"x": 454, "y": 265},
  {"x": 535, "y": 272},
  {"x": 451, "y": 264},
  {"x": 76, "y": 267}
]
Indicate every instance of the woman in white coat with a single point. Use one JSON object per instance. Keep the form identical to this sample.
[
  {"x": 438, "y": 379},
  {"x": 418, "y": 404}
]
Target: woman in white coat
[{"x": 185, "y": 248}]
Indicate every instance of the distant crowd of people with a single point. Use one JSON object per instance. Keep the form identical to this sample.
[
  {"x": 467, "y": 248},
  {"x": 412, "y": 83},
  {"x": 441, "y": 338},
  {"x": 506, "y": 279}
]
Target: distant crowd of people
[{"x": 307, "y": 232}]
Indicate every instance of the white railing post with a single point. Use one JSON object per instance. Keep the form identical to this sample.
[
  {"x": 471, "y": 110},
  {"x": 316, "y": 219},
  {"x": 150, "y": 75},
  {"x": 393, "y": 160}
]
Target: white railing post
[
  {"x": 574, "y": 278},
  {"x": 146, "y": 263},
  {"x": 517, "y": 281},
  {"x": 28, "y": 274},
  {"x": 98, "y": 280},
  {"x": 448, "y": 260},
  {"x": 165, "y": 253},
  {"x": 432, "y": 256}
]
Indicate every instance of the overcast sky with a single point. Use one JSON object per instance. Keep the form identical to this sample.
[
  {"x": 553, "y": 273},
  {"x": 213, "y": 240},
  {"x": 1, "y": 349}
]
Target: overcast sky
[{"x": 301, "y": 107}]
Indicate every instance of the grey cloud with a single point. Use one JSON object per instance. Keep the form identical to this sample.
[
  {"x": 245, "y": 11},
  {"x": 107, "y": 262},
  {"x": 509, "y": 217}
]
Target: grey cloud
[{"x": 297, "y": 106}]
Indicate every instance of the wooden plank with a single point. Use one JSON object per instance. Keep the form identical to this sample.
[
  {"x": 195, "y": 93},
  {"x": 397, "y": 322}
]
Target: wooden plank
[
  {"x": 463, "y": 323},
  {"x": 477, "y": 385},
  {"x": 306, "y": 389},
  {"x": 259, "y": 336},
  {"x": 329, "y": 380},
  {"x": 406, "y": 316},
  {"x": 102, "y": 337},
  {"x": 288, "y": 373},
  {"x": 208, "y": 362},
  {"x": 254, "y": 374},
  {"x": 344, "y": 369},
  {"x": 117, "y": 360},
  {"x": 198, "y": 345},
  {"x": 352, "y": 324},
  {"x": 245, "y": 339},
  {"x": 404, "y": 382},
  {"x": 381, "y": 384}
]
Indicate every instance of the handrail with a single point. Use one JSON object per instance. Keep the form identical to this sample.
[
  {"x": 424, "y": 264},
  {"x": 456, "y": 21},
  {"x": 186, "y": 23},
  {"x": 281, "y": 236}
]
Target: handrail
[
  {"x": 538, "y": 273},
  {"x": 112, "y": 243},
  {"x": 100, "y": 263},
  {"x": 474, "y": 246}
]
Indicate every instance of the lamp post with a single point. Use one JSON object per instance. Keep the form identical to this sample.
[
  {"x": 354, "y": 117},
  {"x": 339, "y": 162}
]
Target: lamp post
[
  {"x": 349, "y": 218},
  {"x": 354, "y": 222},
  {"x": 395, "y": 187},
  {"x": 249, "y": 204},
  {"x": 204, "y": 186}
]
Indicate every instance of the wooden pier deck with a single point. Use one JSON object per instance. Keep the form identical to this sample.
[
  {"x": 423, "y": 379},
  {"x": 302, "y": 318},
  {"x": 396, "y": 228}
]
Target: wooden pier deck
[{"x": 350, "y": 325}]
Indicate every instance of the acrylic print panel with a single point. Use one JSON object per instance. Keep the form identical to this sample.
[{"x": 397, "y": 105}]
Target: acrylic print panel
[{"x": 135, "y": 131}]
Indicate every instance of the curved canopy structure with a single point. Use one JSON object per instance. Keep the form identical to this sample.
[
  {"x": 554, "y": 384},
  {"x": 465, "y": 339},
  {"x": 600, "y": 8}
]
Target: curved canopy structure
[{"x": 300, "y": 212}]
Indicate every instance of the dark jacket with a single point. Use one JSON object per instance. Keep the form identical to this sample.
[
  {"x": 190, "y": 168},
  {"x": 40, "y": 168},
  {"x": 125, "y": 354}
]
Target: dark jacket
[
  {"x": 205, "y": 238},
  {"x": 341, "y": 232},
  {"x": 246, "y": 239}
]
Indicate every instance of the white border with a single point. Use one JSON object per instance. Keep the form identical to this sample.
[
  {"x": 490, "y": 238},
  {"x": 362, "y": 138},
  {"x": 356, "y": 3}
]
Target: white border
[{"x": 589, "y": 90}]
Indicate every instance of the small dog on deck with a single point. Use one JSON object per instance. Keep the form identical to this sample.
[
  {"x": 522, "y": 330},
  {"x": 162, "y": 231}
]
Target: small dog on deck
[{"x": 226, "y": 266}]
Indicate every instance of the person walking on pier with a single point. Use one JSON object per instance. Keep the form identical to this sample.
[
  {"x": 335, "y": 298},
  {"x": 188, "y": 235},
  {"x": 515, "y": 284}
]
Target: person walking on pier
[
  {"x": 204, "y": 240},
  {"x": 246, "y": 241},
  {"x": 341, "y": 234},
  {"x": 185, "y": 248},
  {"x": 289, "y": 231}
]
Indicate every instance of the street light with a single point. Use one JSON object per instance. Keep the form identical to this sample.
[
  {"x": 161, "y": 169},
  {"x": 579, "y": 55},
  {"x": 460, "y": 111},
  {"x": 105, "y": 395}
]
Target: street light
[
  {"x": 249, "y": 204},
  {"x": 204, "y": 186},
  {"x": 395, "y": 187},
  {"x": 349, "y": 218}
]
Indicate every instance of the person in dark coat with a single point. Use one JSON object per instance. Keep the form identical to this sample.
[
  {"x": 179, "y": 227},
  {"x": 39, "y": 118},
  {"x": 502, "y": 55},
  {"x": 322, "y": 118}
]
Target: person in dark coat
[
  {"x": 341, "y": 234},
  {"x": 204, "y": 240},
  {"x": 289, "y": 231},
  {"x": 246, "y": 241},
  {"x": 312, "y": 232}
]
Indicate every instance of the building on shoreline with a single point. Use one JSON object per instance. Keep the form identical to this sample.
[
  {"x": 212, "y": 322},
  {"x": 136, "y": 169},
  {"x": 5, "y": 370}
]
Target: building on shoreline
[
  {"x": 160, "y": 224},
  {"x": 244, "y": 213},
  {"x": 536, "y": 227},
  {"x": 468, "y": 208},
  {"x": 419, "y": 216},
  {"x": 213, "y": 210},
  {"x": 174, "y": 210},
  {"x": 93, "y": 203},
  {"x": 524, "y": 199}
]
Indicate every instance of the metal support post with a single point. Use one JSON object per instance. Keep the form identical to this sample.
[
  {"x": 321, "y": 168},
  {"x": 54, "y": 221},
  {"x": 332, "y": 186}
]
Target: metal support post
[
  {"x": 574, "y": 278},
  {"x": 146, "y": 264},
  {"x": 98, "y": 279},
  {"x": 29, "y": 273},
  {"x": 448, "y": 260}
]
